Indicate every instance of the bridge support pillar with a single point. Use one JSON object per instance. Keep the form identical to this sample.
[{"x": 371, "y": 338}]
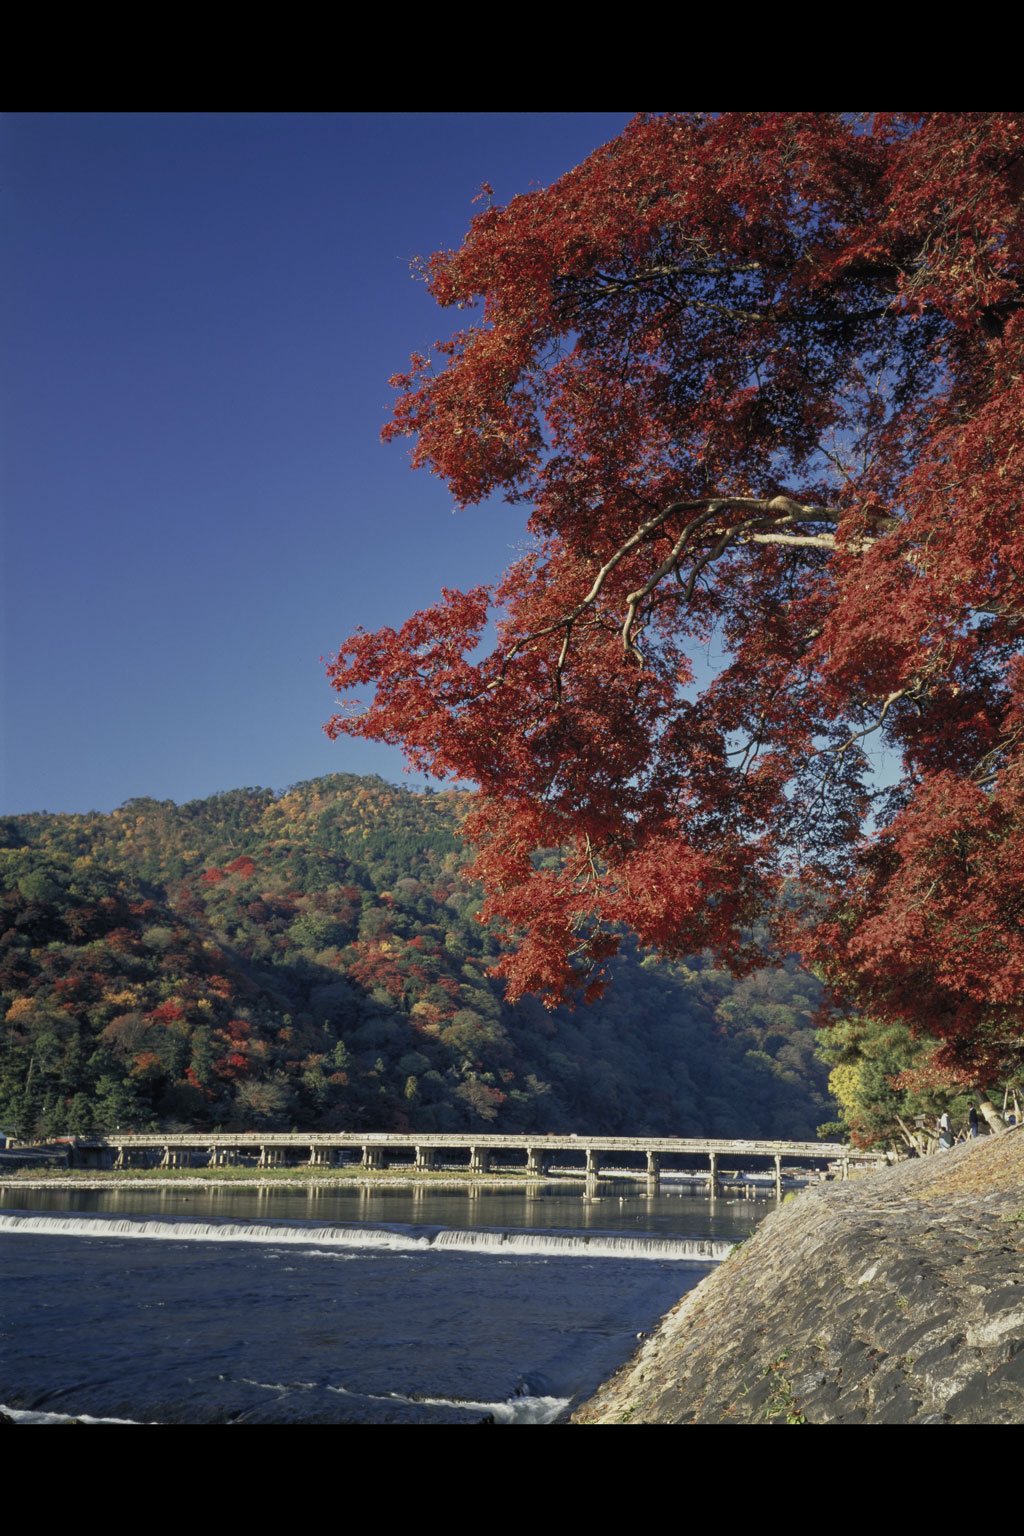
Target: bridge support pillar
[
  {"x": 593, "y": 1163},
  {"x": 426, "y": 1157},
  {"x": 479, "y": 1160},
  {"x": 373, "y": 1157},
  {"x": 174, "y": 1158},
  {"x": 271, "y": 1157},
  {"x": 778, "y": 1176},
  {"x": 536, "y": 1163},
  {"x": 223, "y": 1157},
  {"x": 321, "y": 1157},
  {"x": 714, "y": 1174}
]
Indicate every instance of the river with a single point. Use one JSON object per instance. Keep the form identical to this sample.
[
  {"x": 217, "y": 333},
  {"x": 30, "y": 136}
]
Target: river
[{"x": 341, "y": 1303}]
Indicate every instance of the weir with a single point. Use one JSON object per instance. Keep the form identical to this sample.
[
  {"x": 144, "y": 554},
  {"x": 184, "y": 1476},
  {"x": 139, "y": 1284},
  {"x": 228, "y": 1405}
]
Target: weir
[
  {"x": 710, "y": 1160},
  {"x": 522, "y": 1242}
]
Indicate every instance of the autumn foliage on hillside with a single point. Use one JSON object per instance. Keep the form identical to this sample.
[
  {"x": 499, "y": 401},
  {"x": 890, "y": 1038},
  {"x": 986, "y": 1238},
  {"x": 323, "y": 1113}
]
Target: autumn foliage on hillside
[
  {"x": 758, "y": 379},
  {"x": 312, "y": 958}
]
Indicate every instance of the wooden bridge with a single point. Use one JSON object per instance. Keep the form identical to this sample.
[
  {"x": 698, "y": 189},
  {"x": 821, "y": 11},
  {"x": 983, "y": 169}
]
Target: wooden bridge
[{"x": 532, "y": 1155}]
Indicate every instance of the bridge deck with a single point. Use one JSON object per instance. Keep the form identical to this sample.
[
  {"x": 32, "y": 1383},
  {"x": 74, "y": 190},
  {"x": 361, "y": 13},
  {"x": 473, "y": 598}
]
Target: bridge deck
[
  {"x": 535, "y": 1154},
  {"x": 248, "y": 1140}
]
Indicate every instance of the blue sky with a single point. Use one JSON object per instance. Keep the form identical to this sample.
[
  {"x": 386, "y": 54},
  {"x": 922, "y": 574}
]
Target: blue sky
[{"x": 201, "y": 313}]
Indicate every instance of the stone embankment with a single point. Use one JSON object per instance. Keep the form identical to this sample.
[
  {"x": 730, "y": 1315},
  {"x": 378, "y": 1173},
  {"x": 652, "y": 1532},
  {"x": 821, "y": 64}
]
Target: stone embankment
[{"x": 897, "y": 1298}]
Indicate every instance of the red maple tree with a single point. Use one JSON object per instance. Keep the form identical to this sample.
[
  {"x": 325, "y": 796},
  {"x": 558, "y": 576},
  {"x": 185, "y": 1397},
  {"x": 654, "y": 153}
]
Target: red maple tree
[{"x": 759, "y": 379}]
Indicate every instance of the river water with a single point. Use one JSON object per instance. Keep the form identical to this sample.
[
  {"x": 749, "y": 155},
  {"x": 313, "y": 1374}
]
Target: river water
[{"x": 340, "y": 1304}]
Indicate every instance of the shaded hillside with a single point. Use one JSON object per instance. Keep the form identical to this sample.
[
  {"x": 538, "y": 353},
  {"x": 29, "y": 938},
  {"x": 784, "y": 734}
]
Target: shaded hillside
[{"x": 314, "y": 959}]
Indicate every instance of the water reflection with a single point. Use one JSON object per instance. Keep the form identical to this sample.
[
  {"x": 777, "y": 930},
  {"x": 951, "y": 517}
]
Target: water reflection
[{"x": 607, "y": 1204}]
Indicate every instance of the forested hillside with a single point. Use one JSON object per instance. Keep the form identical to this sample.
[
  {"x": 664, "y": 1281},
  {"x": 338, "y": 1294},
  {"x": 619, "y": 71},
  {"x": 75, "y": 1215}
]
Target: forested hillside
[{"x": 313, "y": 959}]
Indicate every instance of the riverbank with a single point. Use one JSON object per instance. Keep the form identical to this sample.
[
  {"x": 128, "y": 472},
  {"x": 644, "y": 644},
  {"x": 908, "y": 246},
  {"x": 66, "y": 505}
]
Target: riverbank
[
  {"x": 893, "y": 1299},
  {"x": 354, "y": 1173},
  {"x": 249, "y": 1178}
]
